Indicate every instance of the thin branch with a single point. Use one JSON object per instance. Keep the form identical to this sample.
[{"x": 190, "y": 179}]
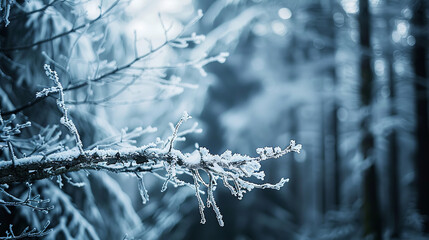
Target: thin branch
[
  {"x": 25, "y": 106},
  {"x": 58, "y": 88},
  {"x": 106, "y": 99},
  {"x": 85, "y": 83},
  {"x": 26, "y": 234},
  {"x": 110, "y": 73},
  {"x": 30, "y": 202},
  {"x": 63, "y": 34},
  {"x": 42, "y": 9},
  {"x": 116, "y": 70}
]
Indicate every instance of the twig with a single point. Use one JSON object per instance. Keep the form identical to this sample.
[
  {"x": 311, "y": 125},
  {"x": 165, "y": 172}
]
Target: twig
[
  {"x": 42, "y": 9},
  {"x": 23, "y": 47}
]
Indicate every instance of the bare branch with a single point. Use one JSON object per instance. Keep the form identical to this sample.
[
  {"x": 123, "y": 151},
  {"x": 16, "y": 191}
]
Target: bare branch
[
  {"x": 33, "y": 202},
  {"x": 42, "y": 9},
  {"x": 33, "y": 233},
  {"x": 63, "y": 34}
]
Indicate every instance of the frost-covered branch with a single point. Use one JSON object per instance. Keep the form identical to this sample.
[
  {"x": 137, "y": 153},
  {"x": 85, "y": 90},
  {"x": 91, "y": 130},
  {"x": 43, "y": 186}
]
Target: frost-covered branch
[
  {"x": 7, "y": 132},
  {"x": 33, "y": 202},
  {"x": 26, "y": 233},
  {"x": 58, "y": 88},
  {"x": 157, "y": 158},
  {"x": 30, "y": 201}
]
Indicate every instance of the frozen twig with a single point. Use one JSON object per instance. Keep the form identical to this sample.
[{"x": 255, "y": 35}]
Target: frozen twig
[
  {"x": 33, "y": 202},
  {"x": 8, "y": 131},
  {"x": 26, "y": 233},
  {"x": 58, "y": 88}
]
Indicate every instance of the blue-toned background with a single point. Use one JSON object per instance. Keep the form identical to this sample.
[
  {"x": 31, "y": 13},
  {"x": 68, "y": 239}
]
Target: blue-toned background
[{"x": 347, "y": 79}]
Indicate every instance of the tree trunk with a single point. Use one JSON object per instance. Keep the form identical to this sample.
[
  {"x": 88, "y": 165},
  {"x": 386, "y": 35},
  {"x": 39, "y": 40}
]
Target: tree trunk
[
  {"x": 333, "y": 128},
  {"x": 393, "y": 159},
  {"x": 421, "y": 103},
  {"x": 393, "y": 153},
  {"x": 295, "y": 176},
  {"x": 329, "y": 114},
  {"x": 371, "y": 215},
  {"x": 323, "y": 158}
]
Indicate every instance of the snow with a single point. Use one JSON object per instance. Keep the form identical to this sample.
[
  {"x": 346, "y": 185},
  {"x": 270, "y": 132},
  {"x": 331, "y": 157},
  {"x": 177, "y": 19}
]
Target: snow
[{"x": 193, "y": 159}]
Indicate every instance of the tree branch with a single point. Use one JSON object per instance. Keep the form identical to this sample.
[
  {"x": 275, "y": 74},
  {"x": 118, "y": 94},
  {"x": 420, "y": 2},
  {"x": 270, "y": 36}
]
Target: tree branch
[
  {"x": 42, "y": 9},
  {"x": 23, "y": 47},
  {"x": 133, "y": 159},
  {"x": 154, "y": 157},
  {"x": 85, "y": 83},
  {"x": 40, "y": 167}
]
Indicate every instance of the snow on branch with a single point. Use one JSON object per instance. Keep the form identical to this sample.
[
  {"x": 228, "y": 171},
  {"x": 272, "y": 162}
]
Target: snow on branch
[
  {"x": 200, "y": 63},
  {"x": 164, "y": 161}
]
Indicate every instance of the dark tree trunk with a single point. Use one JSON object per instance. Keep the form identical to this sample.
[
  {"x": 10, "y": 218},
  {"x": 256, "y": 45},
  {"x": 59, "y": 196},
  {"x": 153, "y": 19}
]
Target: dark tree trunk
[
  {"x": 335, "y": 150},
  {"x": 393, "y": 153},
  {"x": 393, "y": 160},
  {"x": 333, "y": 128},
  {"x": 295, "y": 175},
  {"x": 421, "y": 103},
  {"x": 323, "y": 159},
  {"x": 371, "y": 214},
  {"x": 330, "y": 161}
]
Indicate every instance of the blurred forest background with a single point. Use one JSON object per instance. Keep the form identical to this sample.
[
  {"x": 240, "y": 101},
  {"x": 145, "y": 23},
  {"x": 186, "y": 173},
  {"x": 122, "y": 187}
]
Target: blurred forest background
[{"x": 347, "y": 79}]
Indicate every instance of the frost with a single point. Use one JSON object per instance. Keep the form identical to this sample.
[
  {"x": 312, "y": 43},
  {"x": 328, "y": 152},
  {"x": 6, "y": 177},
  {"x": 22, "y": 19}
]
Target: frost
[
  {"x": 221, "y": 58},
  {"x": 193, "y": 158},
  {"x": 230, "y": 168},
  {"x": 269, "y": 150},
  {"x": 295, "y": 148},
  {"x": 85, "y": 56},
  {"x": 5, "y": 6},
  {"x": 199, "y": 64},
  {"x": 142, "y": 189},
  {"x": 183, "y": 42},
  {"x": 8, "y": 132},
  {"x": 58, "y": 88},
  {"x": 197, "y": 39}
]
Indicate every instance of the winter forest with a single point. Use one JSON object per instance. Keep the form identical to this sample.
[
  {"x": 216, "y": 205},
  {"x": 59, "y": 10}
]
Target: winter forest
[{"x": 224, "y": 119}]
